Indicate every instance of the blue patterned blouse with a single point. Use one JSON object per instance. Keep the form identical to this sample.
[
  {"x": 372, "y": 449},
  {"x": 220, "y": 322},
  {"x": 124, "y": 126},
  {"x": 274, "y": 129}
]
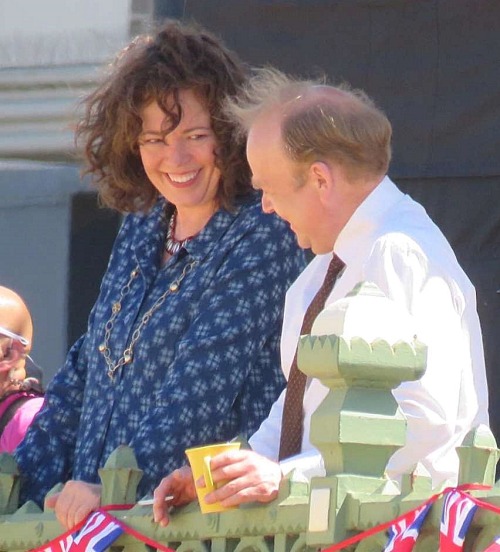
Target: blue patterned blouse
[{"x": 205, "y": 367}]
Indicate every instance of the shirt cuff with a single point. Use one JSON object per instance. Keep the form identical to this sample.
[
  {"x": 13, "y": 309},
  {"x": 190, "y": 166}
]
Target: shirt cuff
[{"x": 309, "y": 464}]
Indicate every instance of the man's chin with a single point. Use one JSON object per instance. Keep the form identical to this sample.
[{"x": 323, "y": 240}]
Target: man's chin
[
  {"x": 315, "y": 248},
  {"x": 319, "y": 250},
  {"x": 303, "y": 244}
]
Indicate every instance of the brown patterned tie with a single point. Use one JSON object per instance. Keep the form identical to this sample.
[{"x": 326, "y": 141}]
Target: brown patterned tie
[{"x": 291, "y": 423}]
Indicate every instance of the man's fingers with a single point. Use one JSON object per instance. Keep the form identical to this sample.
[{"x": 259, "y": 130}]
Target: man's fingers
[
  {"x": 178, "y": 488},
  {"x": 228, "y": 457},
  {"x": 226, "y": 471},
  {"x": 244, "y": 494},
  {"x": 159, "y": 507},
  {"x": 250, "y": 477},
  {"x": 239, "y": 487}
]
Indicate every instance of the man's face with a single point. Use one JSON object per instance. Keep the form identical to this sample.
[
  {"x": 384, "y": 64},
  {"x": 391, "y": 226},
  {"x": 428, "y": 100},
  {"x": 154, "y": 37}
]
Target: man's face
[{"x": 294, "y": 199}]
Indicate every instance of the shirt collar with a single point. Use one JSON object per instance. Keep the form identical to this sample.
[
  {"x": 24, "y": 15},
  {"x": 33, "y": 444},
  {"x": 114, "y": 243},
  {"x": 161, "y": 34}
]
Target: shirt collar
[
  {"x": 204, "y": 242},
  {"x": 155, "y": 227},
  {"x": 365, "y": 218}
]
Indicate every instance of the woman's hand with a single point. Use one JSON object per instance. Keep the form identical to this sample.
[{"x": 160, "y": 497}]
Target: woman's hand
[
  {"x": 75, "y": 502},
  {"x": 180, "y": 486}
]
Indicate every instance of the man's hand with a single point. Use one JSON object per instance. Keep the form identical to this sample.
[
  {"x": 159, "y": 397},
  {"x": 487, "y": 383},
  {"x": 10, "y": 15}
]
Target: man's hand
[
  {"x": 75, "y": 502},
  {"x": 249, "y": 477},
  {"x": 180, "y": 485}
]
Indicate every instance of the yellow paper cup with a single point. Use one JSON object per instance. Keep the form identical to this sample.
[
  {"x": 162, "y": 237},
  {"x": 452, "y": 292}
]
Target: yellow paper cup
[{"x": 199, "y": 459}]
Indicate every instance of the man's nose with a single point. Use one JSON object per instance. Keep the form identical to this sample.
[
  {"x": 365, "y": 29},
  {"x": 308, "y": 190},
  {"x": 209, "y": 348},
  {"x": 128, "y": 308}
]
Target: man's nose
[{"x": 267, "y": 205}]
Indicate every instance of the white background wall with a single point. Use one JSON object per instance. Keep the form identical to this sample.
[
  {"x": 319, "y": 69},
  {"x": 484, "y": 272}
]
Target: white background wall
[
  {"x": 49, "y": 32},
  {"x": 50, "y": 55},
  {"x": 35, "y": 217}
]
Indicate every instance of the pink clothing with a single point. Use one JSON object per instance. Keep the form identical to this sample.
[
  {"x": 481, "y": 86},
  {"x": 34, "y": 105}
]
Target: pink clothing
[{"x": 15, "y": 430}]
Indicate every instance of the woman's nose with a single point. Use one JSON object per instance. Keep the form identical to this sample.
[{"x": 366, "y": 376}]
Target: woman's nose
[
  {"x": 177, "y": 153},
  {"x": 174, "y": 154}
]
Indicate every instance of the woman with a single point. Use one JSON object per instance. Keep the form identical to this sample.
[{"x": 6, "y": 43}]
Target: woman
[{"x": 182, "y": 344}]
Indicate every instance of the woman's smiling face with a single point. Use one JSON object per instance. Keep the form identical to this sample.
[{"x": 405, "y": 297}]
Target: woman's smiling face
[{"x": 181, "y": 164}]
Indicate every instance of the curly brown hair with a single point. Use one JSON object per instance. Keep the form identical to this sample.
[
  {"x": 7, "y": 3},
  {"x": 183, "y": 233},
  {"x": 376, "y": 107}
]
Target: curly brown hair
[{"x": 156, "y": 68}]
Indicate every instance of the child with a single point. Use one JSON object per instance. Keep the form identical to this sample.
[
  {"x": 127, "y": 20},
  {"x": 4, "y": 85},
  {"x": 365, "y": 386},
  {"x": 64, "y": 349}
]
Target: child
[{"x": 20, "y": 397}]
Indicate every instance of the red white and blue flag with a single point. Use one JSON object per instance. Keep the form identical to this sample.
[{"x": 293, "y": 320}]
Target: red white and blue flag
[
  {"x": 98, "y": 533},
  {"x": 458, "y": 511},
  {"x": 494, "y": 546},
  {"x": 404, "y": 533}
]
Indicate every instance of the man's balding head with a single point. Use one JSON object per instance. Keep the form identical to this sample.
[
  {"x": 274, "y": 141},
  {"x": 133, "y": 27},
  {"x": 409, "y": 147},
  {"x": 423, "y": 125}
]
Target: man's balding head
[
  {"x": 14, "y": 314},
  {"x": 318, "y": 122}
]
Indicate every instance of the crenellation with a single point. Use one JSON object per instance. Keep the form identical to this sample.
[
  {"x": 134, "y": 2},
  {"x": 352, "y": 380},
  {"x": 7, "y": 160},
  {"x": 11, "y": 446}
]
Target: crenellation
[
  {"x": 356, "y": 428},
  {"x": 9, "y": 484}
]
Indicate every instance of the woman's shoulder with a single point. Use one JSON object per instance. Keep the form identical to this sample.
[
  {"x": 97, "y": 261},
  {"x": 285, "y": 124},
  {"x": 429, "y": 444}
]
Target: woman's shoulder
[
  {"x": 138, "y": 224},
  {"x": 146, "y": 216},
  {"x": 249, "y": 212},
  {"x": 266, "y": 235}
]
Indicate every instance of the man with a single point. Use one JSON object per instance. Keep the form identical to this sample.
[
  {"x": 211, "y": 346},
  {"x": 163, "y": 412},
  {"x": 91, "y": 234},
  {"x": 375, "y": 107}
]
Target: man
[
  {"x": 320, "y": 155},
  {"x": 20, "y": 397}
]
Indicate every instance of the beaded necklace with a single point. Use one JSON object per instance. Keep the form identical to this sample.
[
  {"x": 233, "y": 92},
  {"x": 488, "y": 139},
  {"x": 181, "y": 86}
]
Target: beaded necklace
[
  {"x": 173, "y": 246},
  {"x": 128, "y": 354}
]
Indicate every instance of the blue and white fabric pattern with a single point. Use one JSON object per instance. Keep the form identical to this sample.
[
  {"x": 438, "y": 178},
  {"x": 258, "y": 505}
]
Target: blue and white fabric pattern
[{"x": 205, "y": 368}]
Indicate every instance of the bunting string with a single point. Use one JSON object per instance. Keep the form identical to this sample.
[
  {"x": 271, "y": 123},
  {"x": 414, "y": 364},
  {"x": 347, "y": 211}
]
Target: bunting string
[
  {"x": 404, "y": 520},
  {"x": 96, "y": 533},
  {"x": 100, "y": 529}
]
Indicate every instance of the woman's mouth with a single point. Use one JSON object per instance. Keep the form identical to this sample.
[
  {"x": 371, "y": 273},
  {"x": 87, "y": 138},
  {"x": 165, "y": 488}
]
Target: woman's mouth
[{"x": 181, "y": 179}]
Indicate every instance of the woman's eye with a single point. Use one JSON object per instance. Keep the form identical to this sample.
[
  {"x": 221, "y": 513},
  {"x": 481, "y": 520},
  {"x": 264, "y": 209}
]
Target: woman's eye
[
  {"x": 196, "y": 137},
  {"x": 152, "y": 141}
]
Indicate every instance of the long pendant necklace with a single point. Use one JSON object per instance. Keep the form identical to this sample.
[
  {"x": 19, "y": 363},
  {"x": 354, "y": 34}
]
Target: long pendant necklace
[{"x": 128, "y": 353}]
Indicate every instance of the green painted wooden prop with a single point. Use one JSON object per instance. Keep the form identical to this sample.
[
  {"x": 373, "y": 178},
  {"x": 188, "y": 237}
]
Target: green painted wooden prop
[{"x": 356, "y": 428}]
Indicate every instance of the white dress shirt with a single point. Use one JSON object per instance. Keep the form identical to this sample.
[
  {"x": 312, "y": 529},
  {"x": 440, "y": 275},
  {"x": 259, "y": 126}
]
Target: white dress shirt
[{"x": 391, "y": 241}]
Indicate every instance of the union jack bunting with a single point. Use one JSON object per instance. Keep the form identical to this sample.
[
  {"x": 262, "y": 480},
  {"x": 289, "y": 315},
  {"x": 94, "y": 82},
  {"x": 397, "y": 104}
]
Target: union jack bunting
[
  {"x": 494, "y": 546},
  {"x": 458, "y": 511},
  {"x": 98, "y": 533},
  {"x": 404, "y": 533}
]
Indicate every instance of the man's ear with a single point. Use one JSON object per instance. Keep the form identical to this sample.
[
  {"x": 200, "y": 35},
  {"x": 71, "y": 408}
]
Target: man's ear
[{"x": 322, "y": 177}]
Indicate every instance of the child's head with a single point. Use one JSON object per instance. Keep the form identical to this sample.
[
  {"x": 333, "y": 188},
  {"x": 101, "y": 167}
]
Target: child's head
[{"x": 16, "y": 333}]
